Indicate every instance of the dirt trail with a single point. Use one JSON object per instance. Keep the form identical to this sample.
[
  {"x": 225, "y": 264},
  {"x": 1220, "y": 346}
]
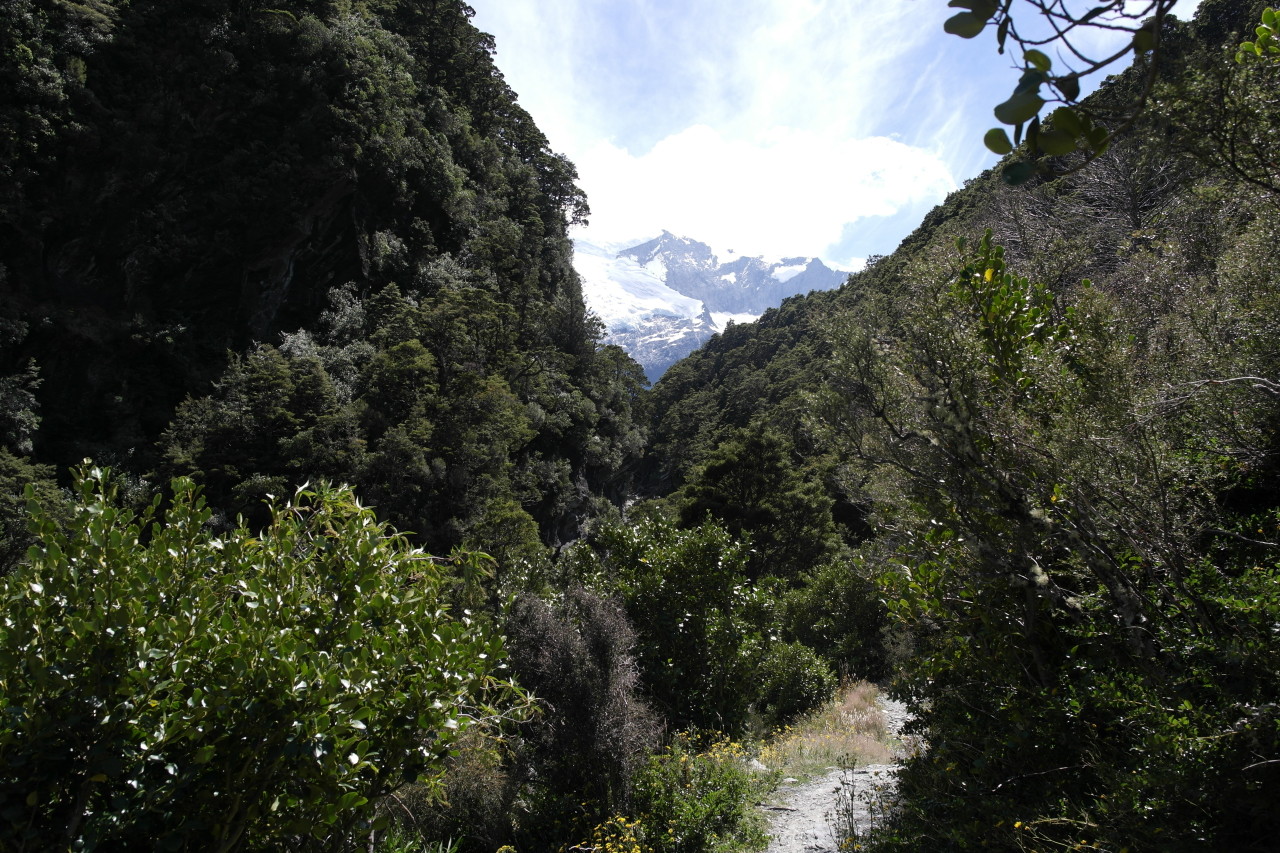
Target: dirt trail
[{"x": 801, "y": 816}]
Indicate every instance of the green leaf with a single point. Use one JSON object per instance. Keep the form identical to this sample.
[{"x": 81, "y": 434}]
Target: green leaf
[
  {"x": 1030, "y": 81},
  {"x": 1057, "y": 142},
  {"x": 351, "y": 799},
  {"x": 1097, "y": 136},
  {"x": 1068, "y": 85},
  {"x": 1023, "y": 106},
  {"x": 1038, "y": 60},
  {"x": 1144, "y": 40},
  {"x": 1066, "y": 119},
  {"x": 998, "y": 141},
  {"x": 982, "y": 8},
  {"x": 1017, "y": 173},
  {"x": 966, "y": 25},
  {"x": 1093, "y": 13}
]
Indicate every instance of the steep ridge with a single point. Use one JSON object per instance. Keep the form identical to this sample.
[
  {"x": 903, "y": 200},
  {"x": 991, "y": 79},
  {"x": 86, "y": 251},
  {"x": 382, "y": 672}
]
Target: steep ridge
[
  {"x": 325, "y": 242},
  {"x": 1053, "y": 409}
]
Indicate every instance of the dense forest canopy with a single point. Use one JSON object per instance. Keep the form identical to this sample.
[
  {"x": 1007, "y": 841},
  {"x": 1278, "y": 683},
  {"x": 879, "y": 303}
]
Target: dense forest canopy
[
  {"x": 260, "y": 245},
  {"x": 1025, "y": 467}
]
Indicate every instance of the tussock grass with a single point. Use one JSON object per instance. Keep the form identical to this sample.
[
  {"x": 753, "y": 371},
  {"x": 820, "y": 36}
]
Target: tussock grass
[{"x": 851, "y": 730}]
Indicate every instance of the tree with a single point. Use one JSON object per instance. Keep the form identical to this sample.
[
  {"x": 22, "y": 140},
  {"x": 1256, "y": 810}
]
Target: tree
[
  {"x": 1090, "y": 617},
  {"x": 698, "y": 637},
  {"x": 751, "y": 486}
]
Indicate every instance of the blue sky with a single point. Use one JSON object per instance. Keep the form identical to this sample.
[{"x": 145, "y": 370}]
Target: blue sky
[{"x": 778, "y": 127}]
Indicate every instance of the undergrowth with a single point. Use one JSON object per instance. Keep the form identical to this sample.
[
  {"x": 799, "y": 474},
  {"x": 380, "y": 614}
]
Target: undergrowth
[{"x": 848, "y": 731}]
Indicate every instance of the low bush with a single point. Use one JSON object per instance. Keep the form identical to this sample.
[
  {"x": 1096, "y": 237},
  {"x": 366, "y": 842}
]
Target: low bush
[
  {"x": 699, "y": 796},
  {"x": 793, "y": 680}
]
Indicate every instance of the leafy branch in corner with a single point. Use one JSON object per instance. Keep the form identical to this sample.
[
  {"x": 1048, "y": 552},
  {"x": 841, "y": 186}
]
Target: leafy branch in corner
[{"x": 1051, "y": 24}]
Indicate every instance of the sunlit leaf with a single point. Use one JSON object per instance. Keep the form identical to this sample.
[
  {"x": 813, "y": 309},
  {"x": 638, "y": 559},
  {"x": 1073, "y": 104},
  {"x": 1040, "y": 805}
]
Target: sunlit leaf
[
  {"x": 1038, "y": 60},
  {"x": 1021, "y": 107},
  {"x": 997, "y": 140}
]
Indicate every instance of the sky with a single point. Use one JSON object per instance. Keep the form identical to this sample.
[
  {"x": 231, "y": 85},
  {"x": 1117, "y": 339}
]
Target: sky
[{"x": 816, "y": 128}]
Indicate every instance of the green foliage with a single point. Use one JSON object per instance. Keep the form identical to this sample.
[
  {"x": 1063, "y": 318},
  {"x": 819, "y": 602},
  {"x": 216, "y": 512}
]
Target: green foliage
[
  {"x": 836, "y": 610},
  {"x": 699, "y": 796},
  {"x": 1266, "y": 44},
  {"x": 753, "y": 373},
  {"x": 1013, "y": 316},
  {"x": 752, "y": 486},
  {"x": 291, "y": 164},
  {"x": 432, "y": 409},
  {"x": 1074, "y": 126},
  {"x": 17, "y": 474},
  {"x": 793, "y": 681},
  {"x": 1067, "y": 491},
  {"x": 1020, "y": 478},
  {"x": 1225, "y": 114},
  {"x": 471, "y": 804},
  {"x": 700, "y": 628},
  {"x": 169, "y": 687}
]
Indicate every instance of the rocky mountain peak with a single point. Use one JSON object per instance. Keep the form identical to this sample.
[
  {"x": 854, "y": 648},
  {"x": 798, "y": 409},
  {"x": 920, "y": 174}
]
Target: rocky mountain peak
[{"x": 662, "y": 298}]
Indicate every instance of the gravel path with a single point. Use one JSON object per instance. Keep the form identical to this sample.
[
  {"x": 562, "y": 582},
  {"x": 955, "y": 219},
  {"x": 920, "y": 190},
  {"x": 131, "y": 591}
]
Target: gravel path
[{"x": 801, "y": 817}]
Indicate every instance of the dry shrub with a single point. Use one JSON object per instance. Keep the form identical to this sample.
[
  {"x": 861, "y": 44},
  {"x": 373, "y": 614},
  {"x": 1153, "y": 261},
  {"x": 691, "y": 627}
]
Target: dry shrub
[
  {"x": 478, "y": 795},
  {"x": 577, "y": 758},
  {"x": 850, "y": 730}
]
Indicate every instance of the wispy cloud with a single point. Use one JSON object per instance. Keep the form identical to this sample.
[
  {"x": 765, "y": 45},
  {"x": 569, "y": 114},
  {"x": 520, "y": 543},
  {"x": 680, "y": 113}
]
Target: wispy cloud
[
  {"x": 789, "y": 192},
  {"x": 785, "y": 126}
]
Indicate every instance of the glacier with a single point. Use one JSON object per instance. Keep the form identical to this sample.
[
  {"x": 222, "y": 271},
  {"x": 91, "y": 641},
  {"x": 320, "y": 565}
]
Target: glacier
[{"x": 661, "y": 299}]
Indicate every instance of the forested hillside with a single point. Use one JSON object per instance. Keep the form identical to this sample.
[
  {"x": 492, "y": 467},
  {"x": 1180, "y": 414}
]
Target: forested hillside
[
  {"x": 261, "y": 245},
  {"x": 378, "y": 547},
  {"x": 1051, "y": 416}
]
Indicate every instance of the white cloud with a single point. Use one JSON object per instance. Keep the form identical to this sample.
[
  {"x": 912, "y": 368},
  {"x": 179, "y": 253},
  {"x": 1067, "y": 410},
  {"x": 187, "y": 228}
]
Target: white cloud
[
  {"x": 756, "y": 125},
  {"x": 790, "y": 193},
  {"x": 772, "y": 125}
]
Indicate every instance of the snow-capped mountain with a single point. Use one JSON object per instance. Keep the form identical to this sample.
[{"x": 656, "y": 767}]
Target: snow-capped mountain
[{"x": 660, "y": 300}]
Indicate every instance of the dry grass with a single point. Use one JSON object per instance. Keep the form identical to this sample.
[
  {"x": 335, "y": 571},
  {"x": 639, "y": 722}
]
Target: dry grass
[{"x": 849, "y": 731}]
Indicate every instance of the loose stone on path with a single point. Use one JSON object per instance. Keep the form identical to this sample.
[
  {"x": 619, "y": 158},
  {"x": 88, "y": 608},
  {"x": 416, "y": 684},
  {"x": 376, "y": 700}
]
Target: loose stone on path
[{"x": 802, "y": 817}]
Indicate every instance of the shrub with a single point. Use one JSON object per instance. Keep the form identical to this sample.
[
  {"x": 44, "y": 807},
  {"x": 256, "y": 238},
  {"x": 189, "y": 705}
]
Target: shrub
[
  {"x": 17, "y": 473},
  {"x": 694, "y": 798},
  {"x": 793, "y": 680},
  {"x": 168, "y": 688},
  {"x": 472, "y": 805},
  {"x": 837, "y": 612},
  {"x": 700, "y": 627},
  {"x": 577, "y": 657}
]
